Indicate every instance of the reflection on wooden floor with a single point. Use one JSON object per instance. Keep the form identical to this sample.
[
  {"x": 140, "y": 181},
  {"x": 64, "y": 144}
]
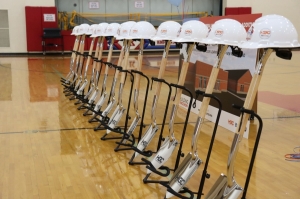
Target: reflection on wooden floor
[{"x": 49, "y": 150}]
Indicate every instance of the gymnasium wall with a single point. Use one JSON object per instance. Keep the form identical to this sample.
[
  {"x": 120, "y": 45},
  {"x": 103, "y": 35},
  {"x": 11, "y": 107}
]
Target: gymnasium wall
[
  {"x": 288, "y": 8},
  {"x": 17, "y": 30},
  {"x": 16, "y": 20}
]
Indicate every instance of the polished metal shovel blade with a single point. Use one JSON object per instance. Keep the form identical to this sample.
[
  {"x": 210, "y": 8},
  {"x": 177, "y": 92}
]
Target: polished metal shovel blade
[
  {"x": 93, "y": 97},
  {"x": 114, "y": 120},
  {"x": 78, "y": 84},
  {"x": 164, "y": 153},
  {"x": 217, "y": 190},
  {"x": 183, "y": 174},
  {"x": 108, "y": 108},
  {"x": 100, "y": 102},
  {"x": 146, "y": 139},
  {"x": 81, "y": 89}
]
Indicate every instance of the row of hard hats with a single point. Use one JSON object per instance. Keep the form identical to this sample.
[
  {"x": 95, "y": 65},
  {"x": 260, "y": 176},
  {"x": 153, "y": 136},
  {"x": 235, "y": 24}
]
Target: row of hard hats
[{"x": 266, "y": 31}]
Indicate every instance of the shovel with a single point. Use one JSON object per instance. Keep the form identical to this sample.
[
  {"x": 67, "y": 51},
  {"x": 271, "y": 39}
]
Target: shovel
[
  {"x": 97, "y": 74},
  {"x": 153, "y": 128},
  {"x": 73, "y": 57},
  {"x": 83, "y": 79},
  {"x": 92, "y": 80},
  {"x": 190, "y": 164},
  {"x": 78, "y": 60},
  {"x": 102, "y": 99},
  {"x": 170, "y": 142},
  {"x": 136, "y": 93},
  {"x": 119, "y": 111},
  {"x": 231, "y": 189},
  {"x": 114, "y": 82}
]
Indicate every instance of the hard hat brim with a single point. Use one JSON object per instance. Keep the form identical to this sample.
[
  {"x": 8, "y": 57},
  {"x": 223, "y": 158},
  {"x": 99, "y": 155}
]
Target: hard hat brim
[{"x": 254, "y": 45}]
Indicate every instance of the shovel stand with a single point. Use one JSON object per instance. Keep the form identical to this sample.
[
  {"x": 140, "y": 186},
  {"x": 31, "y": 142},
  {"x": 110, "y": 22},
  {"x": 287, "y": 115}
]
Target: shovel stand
[
  {"x": 179, "y": 153},
  {"x": 252, "y": 115},
  {"x": 90, "y": 107},
  {"x": 106, "y": 119},
  {"x": 204, "y": 174},
  {"x": 72, "y": 91},
  {"x": 125, "y": 135},
  {"x": 84, "y": 101},
  {"x": 149, "y": 152}
]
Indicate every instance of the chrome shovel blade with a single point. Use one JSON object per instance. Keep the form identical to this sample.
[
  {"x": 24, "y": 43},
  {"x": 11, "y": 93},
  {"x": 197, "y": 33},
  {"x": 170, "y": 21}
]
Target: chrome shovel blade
[
  {"x": 132, "y": 128},
  {"x": 115, "y": 119},
  {"x": 100, "y": 102},
  {"x": 108, "y": 108},
  {"x": 89, "y": 92},
  {"x": 183, "y": 175},
  {"x": 146, "y": 139},
  {"x": 164, "y": 153},
  {"x": 78, "y": 84},
  {"x": 235, "y": 194},
  {"x": 93, "y": 97},
  {"x": 80, "y": 91},
  {"x": 217, "y": 190}
]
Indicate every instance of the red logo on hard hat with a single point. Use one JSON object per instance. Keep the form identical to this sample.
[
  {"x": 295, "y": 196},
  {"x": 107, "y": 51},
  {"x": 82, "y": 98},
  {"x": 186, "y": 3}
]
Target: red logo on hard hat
[
  {"x": 163, "y": 31},
  {"x": 219, "y": 33},
  {"x": 135, "y": 31},
  {"x": 265, "y": 33},
  {"x": 188, "y": 32}
]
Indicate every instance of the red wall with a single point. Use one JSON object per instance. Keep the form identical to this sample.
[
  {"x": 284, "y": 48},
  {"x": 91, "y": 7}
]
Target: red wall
[
  {"x": 35, "y": 24},
  {"x": 238, "y": 10}
]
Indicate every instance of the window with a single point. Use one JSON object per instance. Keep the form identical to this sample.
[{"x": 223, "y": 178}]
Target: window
[
  {"x": 4, "y": 31},
  {"x": 242, "y": 88}
]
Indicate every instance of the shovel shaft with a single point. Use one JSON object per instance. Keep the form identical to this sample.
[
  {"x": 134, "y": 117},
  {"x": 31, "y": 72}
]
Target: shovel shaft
[
  {"x": 127, "y": 51},
  {"x": 209, "y": 90},
  {"x": 72, "y": 60},
  {"x": 251, "y": 95},
  {"x": 99, "y": 41},
  {"x": 161, "y": 74},
  {"x": 120, "y": 60},
  {"x": 137, "y": 78},
  {"x": 89, "y": 58}
]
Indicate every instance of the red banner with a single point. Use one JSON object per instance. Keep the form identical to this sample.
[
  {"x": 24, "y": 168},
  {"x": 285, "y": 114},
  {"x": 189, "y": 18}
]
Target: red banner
[{"x": 246, "y": 20}]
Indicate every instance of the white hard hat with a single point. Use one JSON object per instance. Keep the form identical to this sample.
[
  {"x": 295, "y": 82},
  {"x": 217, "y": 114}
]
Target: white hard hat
[
  {"x": 100, "y": 29},
  {"x": 271, "y": 31},
  {"x": 74, "y": 31},
  {"x": 91, "y": 29},
  {"x": 142, "y": 30},
  {"x": 192, "y": 31},
  {"x": 124, "y": 30},
  {"x": 226, "y": 31},
  {"x": 83, "y": 29},
  {"x": 112, "y": 29},
  {"x": 167, "y": 30}
]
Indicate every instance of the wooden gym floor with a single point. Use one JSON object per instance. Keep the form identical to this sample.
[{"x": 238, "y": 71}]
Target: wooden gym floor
[{"x": 49, "y": 150}]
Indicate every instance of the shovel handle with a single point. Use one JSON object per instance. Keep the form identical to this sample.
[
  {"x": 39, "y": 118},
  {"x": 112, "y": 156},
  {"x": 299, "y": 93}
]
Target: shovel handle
[
  {"x": 121, "y": 58},
  {"x": 205, "y": 102},
  {"x": 100, "y": 54},
  {"x": 111, "y": 48},
  {"x": 75, "y": 47},
  {"x": 139, "y": 66},
  {"x": 89, "y": 57},
  {"x": 125, "y": 64},
  {"x": 183, "y": 73},
  {"x": 251, "y": 95}
]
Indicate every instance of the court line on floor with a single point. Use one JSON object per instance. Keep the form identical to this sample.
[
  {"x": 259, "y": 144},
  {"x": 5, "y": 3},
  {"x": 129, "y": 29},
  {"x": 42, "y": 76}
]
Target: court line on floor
[
  {"x": 73, "y": 129},
  {"x": 70, "y": 129}
]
